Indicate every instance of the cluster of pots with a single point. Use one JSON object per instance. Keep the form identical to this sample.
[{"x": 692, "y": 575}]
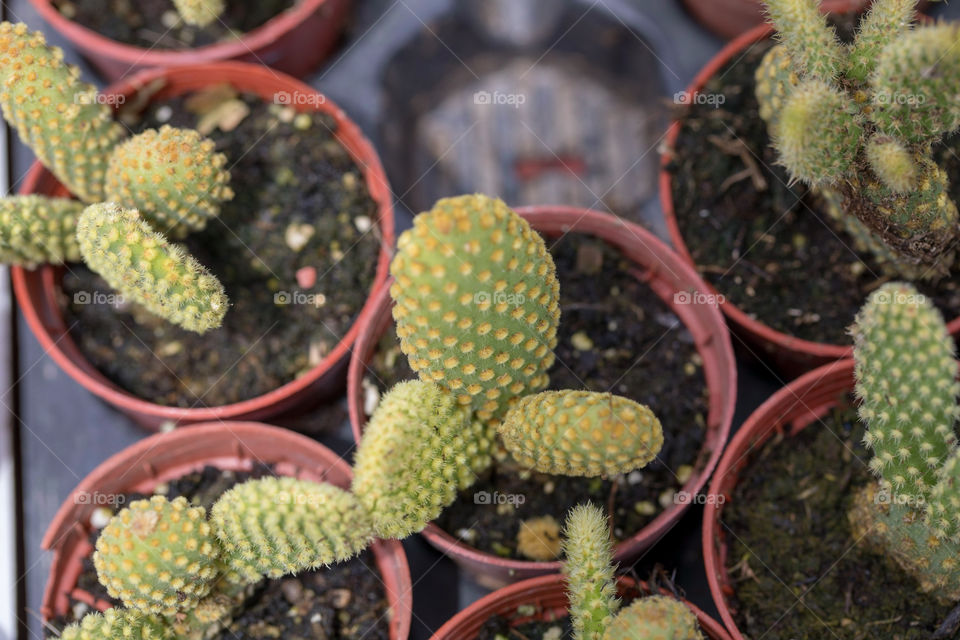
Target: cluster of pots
[{"x": 226, "y": 436}]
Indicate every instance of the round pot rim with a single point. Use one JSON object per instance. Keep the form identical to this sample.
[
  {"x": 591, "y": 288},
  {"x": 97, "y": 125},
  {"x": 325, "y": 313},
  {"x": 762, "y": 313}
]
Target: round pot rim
[
  {"x": 248, "y": 44},
  {"x": 766, "y": 420},
  {"x": 720, "y": 417},
  {"x": 488, "y": 604},
  {"x": 379, "y": 191},
  {"x": 738, "y": 317},
  {"x": 400, "y": 598}
]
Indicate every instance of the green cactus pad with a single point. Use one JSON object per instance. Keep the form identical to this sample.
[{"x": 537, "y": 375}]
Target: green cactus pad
[
  {"x": 174, "y": 177},
  {"x": 589, "y": 572},
  {"x": 37, "y": 230},
  {"x": 905, "y": 372},
  {"x": 157, "y": 556},
  {"x": 655, "y": 618},
  {"x": 118, "y": 624},
  {"x": 61, "y": 118},
  {"x": 886, "y": 21},
  {"x": 200, "y": 13},
  {"x": 410, "y": 459},
  {"x": 943, "y": 508},
  {"x": 278, "y": 526},
  {"x": 477, "y": 302},
  {"x": 141, "y": 264},
  {"x": 581, "y": 433},
  {"x": 810, "y": 41},
  {"x": 775, "y": 80}
]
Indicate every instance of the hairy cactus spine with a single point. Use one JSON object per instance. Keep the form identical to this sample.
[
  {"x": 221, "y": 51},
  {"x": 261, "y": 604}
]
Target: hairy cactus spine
[
  {"x": 55, "y": 114},
  {"x": 36, "y": 230},
  {"x": 581, "y": 433},
  {"x": 589, "y": 572},
  {"x": 807, "y": 36},
  {"x": 141, "y": 264},
  {"x": 885, "y": 21}
]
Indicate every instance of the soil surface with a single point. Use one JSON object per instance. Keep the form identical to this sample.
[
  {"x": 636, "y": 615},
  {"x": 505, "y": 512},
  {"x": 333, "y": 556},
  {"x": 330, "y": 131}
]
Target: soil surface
[
  {"x": 795, "y": 567},
  {"x": 615, "y": 335},
  {"x": 760, "y": 242},
  {"x": 156, "y": 24},
  {"x": 296, "y": 249},
  {"x": 345, "y": 601}
]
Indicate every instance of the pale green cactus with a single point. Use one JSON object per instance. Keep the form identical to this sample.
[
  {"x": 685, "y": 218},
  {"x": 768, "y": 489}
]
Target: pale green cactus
[
  {"x": 36, "y": 230},
  {"x": 118, "y": 624},
  {"x": 135, "y": 260},
  {"x": 477, "y": 302},
  {"x": 70, "y": 130},
  {"x": 200, "y": 13},
  {"x": 655, "y": 618},
  {"x": 809, "y": 41},
  {"x": 581, "y": 433},
  {"x": 174, "y": 177},
  {"x": 589, "y": 572}
]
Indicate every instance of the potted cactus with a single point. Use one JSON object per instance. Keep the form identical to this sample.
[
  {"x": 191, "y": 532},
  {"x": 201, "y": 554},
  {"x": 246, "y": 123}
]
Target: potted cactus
[
  {"x": 121, "y": 37},
  {"x": 586, "y": 594},
  {"x": 295, "y": 252},
  {"x": 869, "y": 497},
  {"x": 830, "y": 152},
  {"x": 506, "y": 509},
  {"x": 185, "y": 534}
]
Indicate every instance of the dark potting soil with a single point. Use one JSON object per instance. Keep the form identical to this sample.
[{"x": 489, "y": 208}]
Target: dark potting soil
[
  {"x": 155, "y": 24},
  {"x": 296, "y": 249},
  {"x": 790, "y": 539},
  {"x": 345, "y": 601},
  {"x": 615, "y": 335},
  {"x": 770, "y": 249},
  {"x": 519, "y": 627}
]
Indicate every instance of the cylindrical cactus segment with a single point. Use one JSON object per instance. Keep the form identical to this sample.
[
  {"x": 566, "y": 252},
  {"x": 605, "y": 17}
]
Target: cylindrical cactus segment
[
  {"x": 200, "y": 13},
  {"x": 804, "y": 31},
  {"x": 37, "y": 230},
  {"x": 119, "y": 245},
  {"x": 477, "y": 302},
  {"x": 158, "y": 556},
  {"x": 885, "y": 21},
  {"x": 60, "y": 118},
  {"x": 775, "y": 80},
  {"x": 118, "y": 624},
  {"x": 278, "y": 526},
  {"x": 655, "y": 618},
  {"x": 581, "y": 433},
  {"x": 589, "y": 571},
  {"x": 174, "y": 177},
  {"x": 905, "y": 371},
  {"x": 411, "y": 457},
  {"x": 893, "y": 163}
]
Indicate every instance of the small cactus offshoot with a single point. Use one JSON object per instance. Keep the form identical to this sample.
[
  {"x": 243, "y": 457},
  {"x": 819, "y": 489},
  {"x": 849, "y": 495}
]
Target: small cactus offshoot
[
  {"x": 200, "y": 13},
  {"x": 654, "y": 618},
  {"x": 36, "y": 230},
  {"x": 135, "y": 260},
  {"x": 118, "y": 624},
  {"x": 174, "y": 177}
]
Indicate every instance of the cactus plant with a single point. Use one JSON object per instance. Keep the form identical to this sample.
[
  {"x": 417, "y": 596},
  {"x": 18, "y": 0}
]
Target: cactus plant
[
  {"x": 581, "y": 433},
  {"x": 477, "y": 302},
  {"x": 61, "y": 118},
  {"x": 140, "y": 263},
  {"x": 860, "y": 121},
  {"x": 906, "y": 383},
  {"x": 118, "y": 624},
  {"x": 199, "y": 13},
  {"x": 174, "y": 177},
  {"x": 654, "y": 618},
  {"x": 35, "y": 230}
]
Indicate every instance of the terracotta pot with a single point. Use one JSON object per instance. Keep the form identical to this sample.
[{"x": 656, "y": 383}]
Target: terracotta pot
[
  {"x": 236, "y": 446},
  {"x": 295, "y": 42},
  {"x": 730, "y": 18},
  {"x": 549, "y": 594},
  {"x": 790, "y": 355},
  {"x": 37, "y": 291},
  {"x": 801, "y": 403},
  {"x": 667, "y": 275}
]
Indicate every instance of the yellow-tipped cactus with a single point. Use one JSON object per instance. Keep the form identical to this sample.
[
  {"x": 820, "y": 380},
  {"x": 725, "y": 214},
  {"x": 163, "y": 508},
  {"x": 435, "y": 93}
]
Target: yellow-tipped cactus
[
  {"x": 411, "y": 457},
  {"x": 200, "y": 13},
  {"x": 141, "y": 264},
  {"x": 655, "y": 618},
  {"x": 581, "y": 433},
  {"x": 477, "y": 302},
  {"x": 61, "y": 118},
  {"x": 174, "y": 177},
  {"x": 118, "y": 624},
  {"x": 893, "y": 163},
  {"x": 280, "y": 526},
  {"x": 807, "y": 37},
  {"x": 589, "y": 571},
  {"x": 157, "y": 556},
  {"x": 36, "y": 230}
]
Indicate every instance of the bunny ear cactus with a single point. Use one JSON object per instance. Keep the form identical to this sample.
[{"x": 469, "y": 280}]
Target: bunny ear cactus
[
  {"x": 589, "y": 572},
  {"x": 71, "y": 132},
  {"x": 174, "y": 177},
  {"x": 118, "y": 624},
  {"x": 200, "y": 13},
  {"x": 655, "y": 618},
  {"x": 861, "y": 120},
  {"x": 477, "y": 302},
  {"x": 141, "y": 264},
  {"x": 581, "y": 433},
  {"x": 37, "y": 230}
]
